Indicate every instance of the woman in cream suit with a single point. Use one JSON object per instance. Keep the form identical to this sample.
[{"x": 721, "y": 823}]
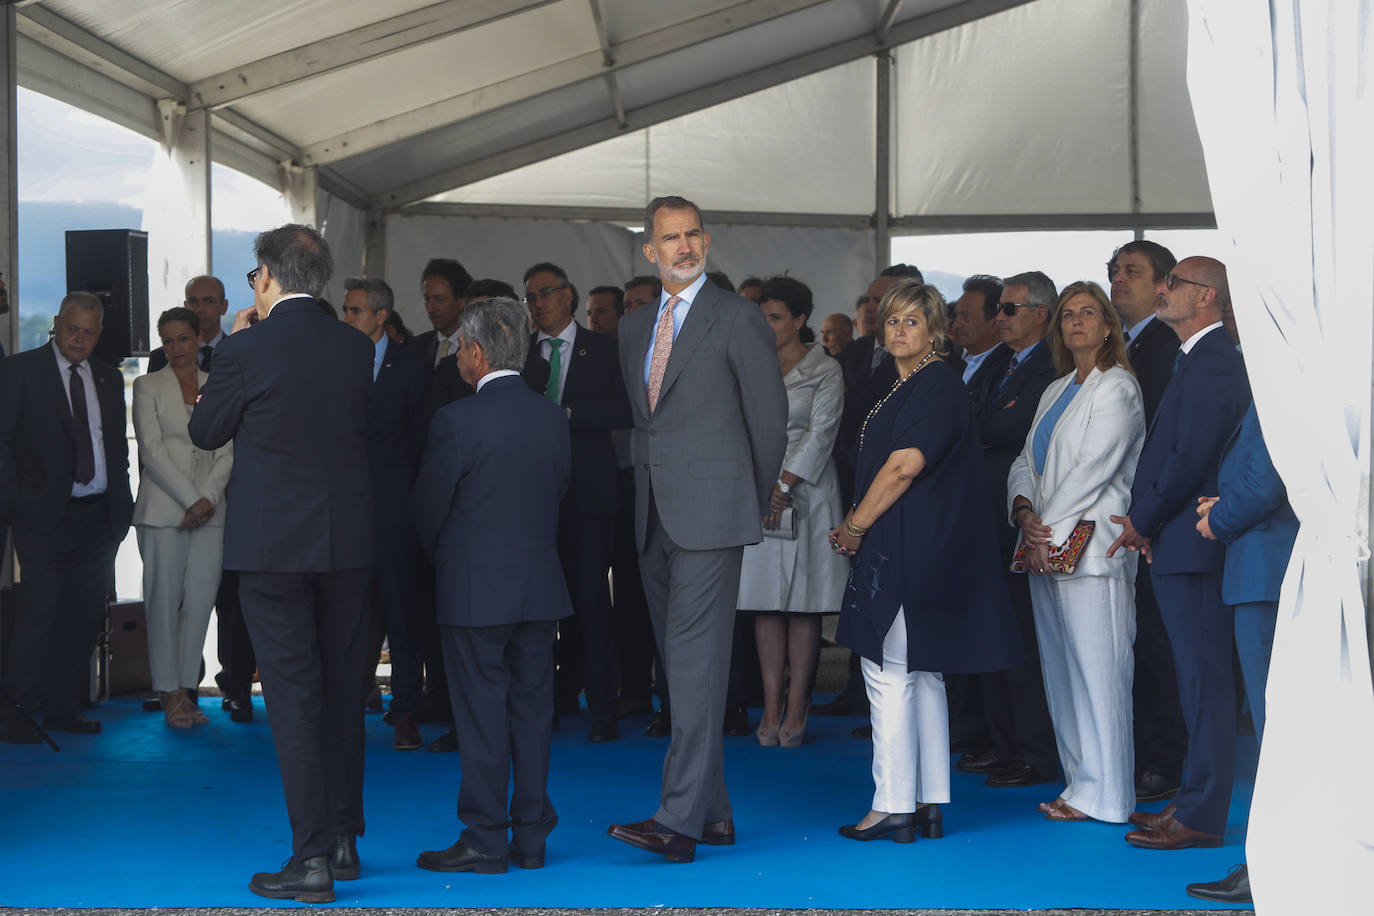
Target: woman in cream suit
[
  {"x": 791, "y": 583},
  {"x": 1078, "y": 465},
  {"x": 179, "y": 517}
]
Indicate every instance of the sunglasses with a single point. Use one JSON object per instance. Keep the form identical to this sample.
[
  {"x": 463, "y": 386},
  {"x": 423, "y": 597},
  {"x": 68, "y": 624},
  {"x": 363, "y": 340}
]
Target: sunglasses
[
  {"x": 1009, "y": 308},
  {"x": 1172, "y": 280}
]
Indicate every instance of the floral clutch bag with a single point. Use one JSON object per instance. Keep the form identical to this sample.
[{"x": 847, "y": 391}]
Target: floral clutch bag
[{"x": 1064, "y": 558}]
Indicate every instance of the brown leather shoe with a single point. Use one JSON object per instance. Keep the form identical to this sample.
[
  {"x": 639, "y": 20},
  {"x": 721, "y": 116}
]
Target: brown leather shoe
[
  {"x": 720, "y": 833},
  {"x": 1172, "y": 834},
  {"x": 407, "y": 735},
  {"x": 1066, "y": 812},
  {"x": 1146, "y": 821},
  {"x": 651, "y": 836}
]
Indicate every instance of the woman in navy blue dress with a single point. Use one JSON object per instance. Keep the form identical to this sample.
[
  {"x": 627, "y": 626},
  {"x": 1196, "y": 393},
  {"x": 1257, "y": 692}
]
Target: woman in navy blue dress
[{"x": 926, "y": 592}]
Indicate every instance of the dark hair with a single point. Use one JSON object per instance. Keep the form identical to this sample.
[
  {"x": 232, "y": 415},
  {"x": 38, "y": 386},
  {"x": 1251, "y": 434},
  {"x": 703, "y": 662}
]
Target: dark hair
[
  {"x": 749, "y": 281},
  {"x": 672, "y": 202},
  {"x": 488, "y": 288},
  {"x": 180, "y": 313},
  {"x": 393, "y": 320},
  {"x": 297, "y": 257},
  {"x": 215, "y": 280},
  {"x": 547, "y": 267},
  {"x": 991, "y": 289},
  {"x": 794, "y": 294},
  {"x": 646, "y": 280},
  {"x": 379, "y": 294},
  {"x": 1161, "y": 259},
  {"x": 449, "y": 270},
  {"x": 909, "y": 271},
  {"x": 616, "y": 294},
  {"x": 719, "y": 278}
]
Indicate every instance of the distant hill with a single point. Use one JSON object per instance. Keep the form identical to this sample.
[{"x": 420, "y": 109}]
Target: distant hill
[{"x": 43, "y": 259}]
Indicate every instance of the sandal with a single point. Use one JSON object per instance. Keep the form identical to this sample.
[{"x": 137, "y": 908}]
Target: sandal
[{"x": 176, "y": 707}]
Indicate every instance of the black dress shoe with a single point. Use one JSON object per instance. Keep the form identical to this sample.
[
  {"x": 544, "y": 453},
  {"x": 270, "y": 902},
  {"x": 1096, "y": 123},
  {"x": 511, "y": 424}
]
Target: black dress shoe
[
  {"x": 305, "y": 880},
  {"x": 651, "y": 836},
  {"x": 988, "y": 762},
  {"x": 736, "y": 723},
  {"x": 842, "y": 705},
  {"x": 462, "y": 857},
  {"x": 1234, "y": 888},
  {"x": 1015, "y": 774},
  {"x": 661, "y": 725},
  {"x": 76, "y": 723},
  {"x": 406, "y": 736},
  {"x": 239, "y": 703},
  {"x": 446, "y": 743},
  {"x": 524, "y": 859},
  {"x": 718, "y": 833},
  {"x": 1151, "y": 786},
  {"x": 897, "y": 826},
  {"x": 152, "y": 704},
  {"x": 344, "y": 864},
  {"x": 603, "y": 730}
]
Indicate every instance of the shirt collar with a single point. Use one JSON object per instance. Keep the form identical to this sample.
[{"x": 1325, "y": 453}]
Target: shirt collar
[
  {"x": 288, "y": 296},
  {"x": 215, "y": 342},
  {"x": 1135, "y": 329},
  {"x": 495, "y": 374},
  {"x": 688, "y": 295},
  {"x": 1191, "y": 342},
  {"x": 567, "y": 335},
  {"x": 1022, "y": 355}
]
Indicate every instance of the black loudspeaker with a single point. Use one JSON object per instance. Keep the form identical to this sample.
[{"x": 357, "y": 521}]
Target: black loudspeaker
[{"x": 113, "y": 264}]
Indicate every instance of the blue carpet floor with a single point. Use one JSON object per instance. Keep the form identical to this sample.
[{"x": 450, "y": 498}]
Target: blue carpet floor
[{"x": 144, "y": 816}]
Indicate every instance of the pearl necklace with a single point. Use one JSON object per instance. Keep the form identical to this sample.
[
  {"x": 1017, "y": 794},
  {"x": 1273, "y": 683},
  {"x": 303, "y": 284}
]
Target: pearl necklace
[{"x": 895, "y": 385}]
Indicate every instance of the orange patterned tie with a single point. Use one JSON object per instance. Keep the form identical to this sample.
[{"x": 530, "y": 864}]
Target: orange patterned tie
[{"x": 663, "y": 348}]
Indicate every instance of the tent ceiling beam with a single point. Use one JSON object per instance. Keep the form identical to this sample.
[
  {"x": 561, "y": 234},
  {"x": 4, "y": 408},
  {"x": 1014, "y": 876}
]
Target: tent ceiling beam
[
  {"x": 606, "y": 60},
  {"x": 603, "y": 37},
  {"x": 886, "y": 19},
  {"x": 633, "y": 216},
  {"x": 70, "y": 40},
  {"x": 764, "y": 78},
  {"x": 1034, "y": 222},
  {"x": 396, "y": 33}
]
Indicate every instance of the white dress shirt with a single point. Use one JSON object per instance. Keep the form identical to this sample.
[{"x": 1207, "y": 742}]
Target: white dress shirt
[
  {"x": 686, "y": 298},
  {"x": 497, "y": 373},
  {"x": 1191, "y": 342},
  {"x": 100, "y": 481},
  {"x": 567, "y": 335}
]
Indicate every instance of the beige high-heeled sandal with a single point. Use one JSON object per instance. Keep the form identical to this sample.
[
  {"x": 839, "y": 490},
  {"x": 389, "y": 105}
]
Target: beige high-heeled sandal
[{"x": 176, "y": 709}]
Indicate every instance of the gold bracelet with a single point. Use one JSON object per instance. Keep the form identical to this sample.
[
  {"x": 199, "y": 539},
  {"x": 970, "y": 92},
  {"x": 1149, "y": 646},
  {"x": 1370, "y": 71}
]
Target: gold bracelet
[{"x": 852, "y": 529}]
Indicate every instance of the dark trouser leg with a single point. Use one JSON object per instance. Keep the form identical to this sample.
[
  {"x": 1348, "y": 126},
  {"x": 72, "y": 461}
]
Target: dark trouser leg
[
  {"x": 1161, "y": 740},
  {"x": 310, "y": 634},
  {"x": 567, "y": 656},
  {"x": 529, "y": 658},
  {"x": 1255, "y": 624},
  {"x": 1201, "y": 629},
  {"x": 66, "y": 580},
  {"x": 236, "y": 660},
  {"x": 634, "y": 635},
  {"x": 395, "y": 577},
  {"x": 692, "y": 597},
  {"x": 1030, "y": 712},
  {"x": 584, "y": 547},
  {"x": 966, "y": 719},
  {"x": 435, "y": 680}
]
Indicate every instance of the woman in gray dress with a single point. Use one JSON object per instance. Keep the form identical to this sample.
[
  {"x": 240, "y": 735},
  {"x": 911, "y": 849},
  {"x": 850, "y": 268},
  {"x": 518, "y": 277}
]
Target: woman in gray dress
[{"x": 788, "y": 583}]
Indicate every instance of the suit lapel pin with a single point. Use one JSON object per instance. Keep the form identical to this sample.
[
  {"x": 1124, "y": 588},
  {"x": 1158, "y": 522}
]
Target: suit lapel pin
[{"x": 582, "y": 352}]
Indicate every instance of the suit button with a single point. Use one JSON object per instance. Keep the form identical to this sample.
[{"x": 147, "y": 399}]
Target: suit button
[{"x": 646, "y": 466}]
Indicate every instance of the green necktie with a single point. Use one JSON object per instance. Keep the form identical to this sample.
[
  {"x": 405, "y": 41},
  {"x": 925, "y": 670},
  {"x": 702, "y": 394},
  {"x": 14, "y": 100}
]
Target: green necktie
[{"x": 555, "y": 368}]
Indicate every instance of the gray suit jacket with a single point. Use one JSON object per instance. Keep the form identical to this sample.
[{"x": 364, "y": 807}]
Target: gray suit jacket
[{"x": 711, "y": 451}]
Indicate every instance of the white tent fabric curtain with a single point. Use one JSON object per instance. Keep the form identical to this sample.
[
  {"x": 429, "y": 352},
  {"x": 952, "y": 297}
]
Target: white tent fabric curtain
[
  {"x": 1283, "y": 94},
  {"x": 342, "y": 226}
]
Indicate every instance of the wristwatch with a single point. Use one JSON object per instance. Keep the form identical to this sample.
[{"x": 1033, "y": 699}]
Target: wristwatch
[{"x": 783, "y": 487}]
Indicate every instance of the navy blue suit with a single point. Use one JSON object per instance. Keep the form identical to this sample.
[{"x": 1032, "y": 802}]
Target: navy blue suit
[
  {"x": 494, "y": 471},
  {"x": 1014, "y": 701},
  {"x": 292, "y": 391},
  {"x": 395, "y": 440},
  {"x": 1200, "y": 407},
  {"x": 1253, "y": 519},
  {"x": 594, "y": 395}
]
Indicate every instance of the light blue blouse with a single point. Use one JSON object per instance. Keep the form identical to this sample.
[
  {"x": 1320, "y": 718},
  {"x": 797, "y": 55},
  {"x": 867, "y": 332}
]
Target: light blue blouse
[{"x": 1040, "y": 445}]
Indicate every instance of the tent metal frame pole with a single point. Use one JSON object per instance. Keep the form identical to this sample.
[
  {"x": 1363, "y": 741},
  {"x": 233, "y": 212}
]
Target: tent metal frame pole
[
  {"x": 882, "y": 211},
  {"x": 1134, "y": 109}
]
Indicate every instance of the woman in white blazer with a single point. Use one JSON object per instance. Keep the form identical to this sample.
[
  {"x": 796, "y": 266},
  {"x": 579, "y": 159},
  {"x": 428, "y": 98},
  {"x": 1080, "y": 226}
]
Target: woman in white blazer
[
  {"x": 178, "y": 517},
  {"x": 1078, "y": 465}
]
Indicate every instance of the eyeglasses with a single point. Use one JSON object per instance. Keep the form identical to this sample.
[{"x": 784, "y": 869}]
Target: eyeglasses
[
  {"x": 253, "y": 277},
  {"x": 542, "y": 293},
  {"x": 1172, "y": 280},
  {"x": 1009, "y": 308}
]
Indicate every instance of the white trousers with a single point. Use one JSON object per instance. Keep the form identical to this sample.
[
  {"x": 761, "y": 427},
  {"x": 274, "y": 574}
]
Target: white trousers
[
  {"x": 910, "y": 729},
  {"x": 1086, "y": 628},
  {"x": 180, "y": 578}
]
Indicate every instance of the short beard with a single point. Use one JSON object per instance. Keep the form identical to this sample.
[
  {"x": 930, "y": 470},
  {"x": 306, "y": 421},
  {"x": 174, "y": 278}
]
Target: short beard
[{"x": 681, "y": 275}]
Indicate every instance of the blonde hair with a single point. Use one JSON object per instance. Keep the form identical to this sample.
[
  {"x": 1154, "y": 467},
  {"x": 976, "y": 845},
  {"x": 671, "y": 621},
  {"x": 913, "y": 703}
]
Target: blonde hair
[
  {"x": 910, "y": 295},
  {"x": 1113, "y": 352}
]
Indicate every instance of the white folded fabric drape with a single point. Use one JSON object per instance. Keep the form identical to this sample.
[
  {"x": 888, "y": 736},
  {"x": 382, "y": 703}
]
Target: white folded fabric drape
[{"x": 1283, "y": 95}]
